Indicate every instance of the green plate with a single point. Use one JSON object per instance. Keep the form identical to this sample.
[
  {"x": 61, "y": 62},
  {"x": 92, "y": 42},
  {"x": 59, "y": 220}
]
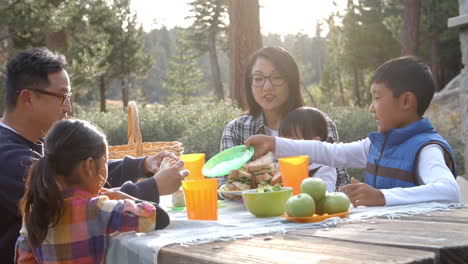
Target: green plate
[{"x": 230, "y": 159}]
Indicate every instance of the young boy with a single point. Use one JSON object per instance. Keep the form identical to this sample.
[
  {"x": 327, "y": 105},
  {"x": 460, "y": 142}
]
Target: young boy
[
  {"x": 310, "y": 124},
  {"x": 406, "y": 161}
]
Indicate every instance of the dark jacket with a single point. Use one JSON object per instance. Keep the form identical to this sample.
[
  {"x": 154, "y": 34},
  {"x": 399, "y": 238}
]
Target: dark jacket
[{"x": 17, "y": 154}]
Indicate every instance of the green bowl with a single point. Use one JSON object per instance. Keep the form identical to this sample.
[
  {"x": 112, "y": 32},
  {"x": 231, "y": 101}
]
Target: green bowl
[{"x": 267, "y": 204}]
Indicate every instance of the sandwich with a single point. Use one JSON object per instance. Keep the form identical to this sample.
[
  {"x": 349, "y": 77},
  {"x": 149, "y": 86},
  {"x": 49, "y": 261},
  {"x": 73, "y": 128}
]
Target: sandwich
[
  {"x": 166, "y": 163},
  {"x": 262, "y": 169},
  {"x": 239, "y": 180},
  {"x": 260, "y": 172}
]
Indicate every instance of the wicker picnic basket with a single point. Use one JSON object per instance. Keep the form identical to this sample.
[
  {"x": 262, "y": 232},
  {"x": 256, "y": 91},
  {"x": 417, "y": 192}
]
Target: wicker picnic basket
[{"x": 136, "y": 147}]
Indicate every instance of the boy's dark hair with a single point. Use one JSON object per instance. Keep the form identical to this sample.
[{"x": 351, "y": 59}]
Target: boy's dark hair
[
  {"x": 310, "y": 121},
  {"x": 286, "y": 66},
  {"x": 407, "y": 74},
  {"x": 66, "y": 145},
  {"x": 30, "y": 69}
]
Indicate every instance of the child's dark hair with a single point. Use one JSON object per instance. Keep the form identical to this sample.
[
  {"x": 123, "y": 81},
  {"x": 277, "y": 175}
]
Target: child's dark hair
[
  {"x": 31, "y": 69},
  {"x": 66, "y": 145},
  {"x": 407, "y": 74},
  {"x": 310, "y": 121}
]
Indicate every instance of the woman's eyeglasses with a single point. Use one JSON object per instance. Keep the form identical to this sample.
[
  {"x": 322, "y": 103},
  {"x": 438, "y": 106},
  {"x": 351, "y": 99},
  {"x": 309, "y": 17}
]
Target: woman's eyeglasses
[
  {"x": 258, "y": 80},
  {"x": 64, "y": 97}
]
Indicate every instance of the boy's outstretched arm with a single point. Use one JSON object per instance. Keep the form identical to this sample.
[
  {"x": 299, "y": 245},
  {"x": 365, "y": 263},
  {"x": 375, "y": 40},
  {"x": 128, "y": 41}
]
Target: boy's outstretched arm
[
  {"x": 363, "y": 194},
  {"x": 262, "y": 144}
]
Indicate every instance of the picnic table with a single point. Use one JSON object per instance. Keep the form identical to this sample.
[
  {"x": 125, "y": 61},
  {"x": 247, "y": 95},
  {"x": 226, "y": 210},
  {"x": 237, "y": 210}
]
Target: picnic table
[{"x": 430, "y": 237}]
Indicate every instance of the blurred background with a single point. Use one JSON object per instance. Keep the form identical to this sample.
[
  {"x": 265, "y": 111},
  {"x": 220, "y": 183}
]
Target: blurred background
[{"x": 175, "y": 58}]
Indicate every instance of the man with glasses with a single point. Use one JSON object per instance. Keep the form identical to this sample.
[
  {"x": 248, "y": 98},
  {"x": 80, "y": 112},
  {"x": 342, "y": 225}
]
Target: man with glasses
[{"x": 38, "y": 93}]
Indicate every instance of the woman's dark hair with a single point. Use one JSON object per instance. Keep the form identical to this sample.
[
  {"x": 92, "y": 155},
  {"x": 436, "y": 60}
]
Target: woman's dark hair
[
  {"x": 66, "y": 145},
  {"x": 286, "y": 66},
  {"x": 31, "y": 69},
  {"x": 407, "y": 74},
  {"x": 310, "y": 121}
]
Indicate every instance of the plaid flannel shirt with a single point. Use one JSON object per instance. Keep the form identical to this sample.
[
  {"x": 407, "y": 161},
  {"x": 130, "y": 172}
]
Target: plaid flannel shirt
[
  {"x": 82, "y": 232},
  {"x": 241, "y": 128}
]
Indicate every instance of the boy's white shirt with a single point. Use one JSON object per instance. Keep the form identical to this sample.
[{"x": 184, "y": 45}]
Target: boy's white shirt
[
  {"x": 436, "y": 179},
  {"x": 327, "y": 174}
]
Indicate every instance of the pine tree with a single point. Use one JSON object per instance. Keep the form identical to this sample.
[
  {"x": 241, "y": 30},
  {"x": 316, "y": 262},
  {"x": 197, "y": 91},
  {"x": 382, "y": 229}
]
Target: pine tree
[
  {"x": 204, "y": 34},
  {"x": 184, "y": 77}
]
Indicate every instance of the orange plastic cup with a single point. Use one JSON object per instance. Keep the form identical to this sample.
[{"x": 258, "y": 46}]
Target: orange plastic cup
[
  {"x": 293, "y": 171},
  {"x": 194, "y": 164},
  {"x": 201, "y": 199}
]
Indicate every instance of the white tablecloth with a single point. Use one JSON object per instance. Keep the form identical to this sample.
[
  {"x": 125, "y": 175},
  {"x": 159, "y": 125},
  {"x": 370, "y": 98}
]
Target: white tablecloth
[{"x": 234, "y": 221}]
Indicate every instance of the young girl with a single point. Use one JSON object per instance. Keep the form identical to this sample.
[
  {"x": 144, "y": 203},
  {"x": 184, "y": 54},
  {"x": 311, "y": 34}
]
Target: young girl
[
  {"x": 67, "y": 216},
  {"x": 310, "y": 124}
]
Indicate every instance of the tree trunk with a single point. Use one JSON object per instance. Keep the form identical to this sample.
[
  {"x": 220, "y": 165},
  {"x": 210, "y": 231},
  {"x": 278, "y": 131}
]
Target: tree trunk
[
  {"x": 340, "y": 84},
  {"x": 124, "y": 87},
  {"x": 57, "y": 41},
  {"x": 410, "y": 31},
  {"x": 215, "y": 72},
  {"x": 102, "y": 90},
  {"x": 244, "y": 39},
  {"x": 435, "y": 60},
  {"x": 312, "y": 100},
  {"x": 357, "y": 94}
]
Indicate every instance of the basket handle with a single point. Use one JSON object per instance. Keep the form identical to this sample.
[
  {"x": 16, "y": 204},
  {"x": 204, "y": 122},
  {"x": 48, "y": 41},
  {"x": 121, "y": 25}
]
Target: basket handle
[{"x": 133, "y": 130}]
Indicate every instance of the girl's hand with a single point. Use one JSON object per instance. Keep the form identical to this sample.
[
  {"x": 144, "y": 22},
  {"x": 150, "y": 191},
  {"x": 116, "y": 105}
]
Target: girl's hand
[
  {"x": 262, "y": 144},
  {"x": 116, "y": 195}
]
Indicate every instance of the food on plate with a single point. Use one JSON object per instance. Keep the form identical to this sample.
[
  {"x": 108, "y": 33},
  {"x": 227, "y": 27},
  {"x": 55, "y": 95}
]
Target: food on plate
[
  {"x": 166, "y": 163},
  {"x": 260, "y": 172},
  {"x": 269, "y": 188},
  {"x": 262, "y": 169},
  {"x": 239, "y": 180}
]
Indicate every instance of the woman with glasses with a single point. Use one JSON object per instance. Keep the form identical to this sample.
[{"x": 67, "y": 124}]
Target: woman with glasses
[{"x": 272, "y": 89}]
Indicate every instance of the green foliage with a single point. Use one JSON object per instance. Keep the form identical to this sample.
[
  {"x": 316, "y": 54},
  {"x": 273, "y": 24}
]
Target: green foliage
[
  {"x": 447, "y": 124},
  {"x": 208, "y": 16},
  {"x": 184, "y": 77},
  {"x": 198, "y": 126},
  {"x": 352, "y": 124}
]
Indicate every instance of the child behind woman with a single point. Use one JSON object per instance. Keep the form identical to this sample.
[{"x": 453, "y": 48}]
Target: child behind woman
[
  {"x": 65, "y": 219},
  {"x": 310, "y": 124}
]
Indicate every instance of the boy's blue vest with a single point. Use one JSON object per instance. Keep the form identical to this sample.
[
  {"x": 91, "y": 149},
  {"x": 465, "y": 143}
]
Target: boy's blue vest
[{"x": 393, "y": 156}]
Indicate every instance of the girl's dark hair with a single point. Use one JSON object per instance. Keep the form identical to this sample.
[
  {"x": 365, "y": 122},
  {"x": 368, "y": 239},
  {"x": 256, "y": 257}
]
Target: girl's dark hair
[
  {"x": 286, "y": 66},
  {"x": 66, "y": 145},
  {"x": 310, "y": 121}
]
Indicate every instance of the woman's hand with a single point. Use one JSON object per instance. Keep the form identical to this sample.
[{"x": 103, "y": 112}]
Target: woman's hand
[
  {"x": 116, "y": 195},
  {"x": 261, "y": 143}
]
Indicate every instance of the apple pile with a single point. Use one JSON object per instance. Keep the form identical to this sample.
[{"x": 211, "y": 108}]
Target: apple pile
[{"x": 314, "y": 199}]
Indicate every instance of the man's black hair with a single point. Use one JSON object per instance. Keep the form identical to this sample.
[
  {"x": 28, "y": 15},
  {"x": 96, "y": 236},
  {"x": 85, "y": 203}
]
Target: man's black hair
[{"x": 30, "y": 69}]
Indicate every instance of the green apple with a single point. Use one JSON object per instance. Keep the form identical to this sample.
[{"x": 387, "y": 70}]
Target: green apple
[
  {"x": 336, "y": 202},
  {"x": 301, "y": 205},
  {"x": 314, "y": 187}
]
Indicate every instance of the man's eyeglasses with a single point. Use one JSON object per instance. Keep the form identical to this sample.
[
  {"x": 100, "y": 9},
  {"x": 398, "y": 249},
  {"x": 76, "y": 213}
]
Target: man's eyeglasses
[
  {"x": 63, "y": 97},
  {"x": 258, "y": 80}
]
